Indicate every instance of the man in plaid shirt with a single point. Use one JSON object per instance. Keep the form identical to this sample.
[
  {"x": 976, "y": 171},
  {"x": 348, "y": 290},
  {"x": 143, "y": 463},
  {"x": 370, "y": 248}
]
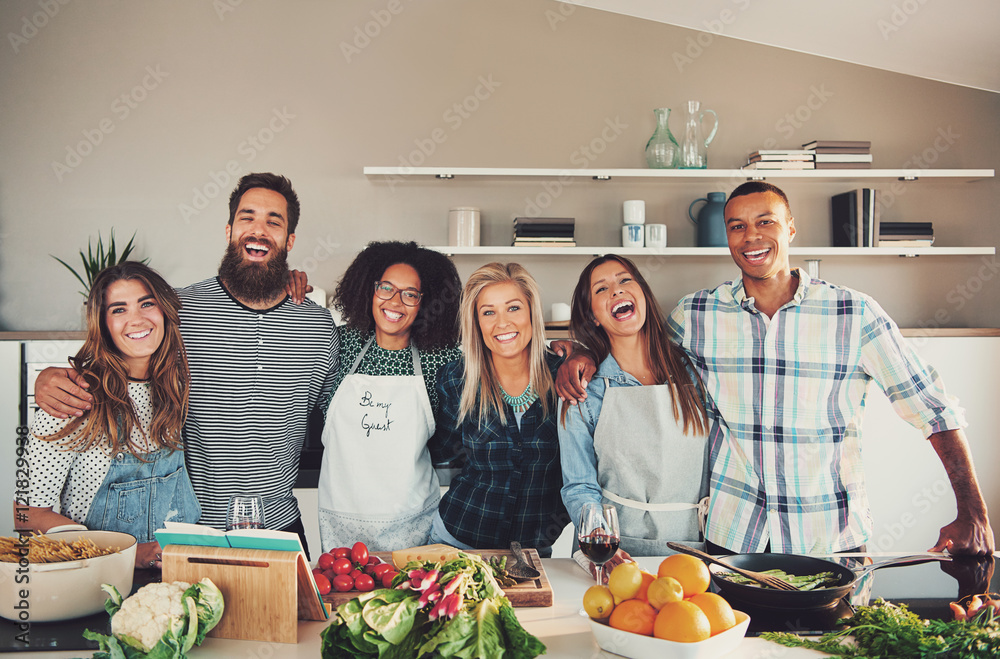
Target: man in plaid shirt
[{"x": 787, "y": 361}]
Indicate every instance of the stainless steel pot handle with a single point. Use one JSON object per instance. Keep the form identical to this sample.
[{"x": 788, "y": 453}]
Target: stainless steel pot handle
[{"x": 914, "y": 559}]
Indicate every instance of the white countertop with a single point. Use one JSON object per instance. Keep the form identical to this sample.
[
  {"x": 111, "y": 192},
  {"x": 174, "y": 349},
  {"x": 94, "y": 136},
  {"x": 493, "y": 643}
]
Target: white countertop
[{"x": 564, "y": 630}]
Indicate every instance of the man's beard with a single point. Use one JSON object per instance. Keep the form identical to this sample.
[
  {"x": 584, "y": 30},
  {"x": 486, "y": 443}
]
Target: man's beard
[{"x": 252, "y": 281}]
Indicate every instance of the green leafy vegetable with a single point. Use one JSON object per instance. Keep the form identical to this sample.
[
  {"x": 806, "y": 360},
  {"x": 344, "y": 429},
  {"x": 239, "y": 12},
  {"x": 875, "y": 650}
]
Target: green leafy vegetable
[
  {"x": 891, "y": 631},
  {"x": 454, "y": 609}
]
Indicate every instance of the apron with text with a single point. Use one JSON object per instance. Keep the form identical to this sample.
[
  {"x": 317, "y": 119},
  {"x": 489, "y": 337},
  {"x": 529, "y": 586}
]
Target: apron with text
[
  {"x": 654, "y": 473},
  {"x": 377, "y": 484},
  {"x": 137, "y": 497}
]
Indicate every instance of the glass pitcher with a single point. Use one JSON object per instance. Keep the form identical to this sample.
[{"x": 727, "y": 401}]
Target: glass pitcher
[
  {"x": 662, "y": 150},
  {"x": 694, "y": 146}
]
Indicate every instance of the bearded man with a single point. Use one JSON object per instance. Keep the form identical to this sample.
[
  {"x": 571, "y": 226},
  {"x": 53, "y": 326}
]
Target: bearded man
[{"x": 259, "y": 363}]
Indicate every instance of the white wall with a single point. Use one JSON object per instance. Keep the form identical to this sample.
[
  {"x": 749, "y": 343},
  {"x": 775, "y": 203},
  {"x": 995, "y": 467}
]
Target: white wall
[{"x": 174, "y": 93}]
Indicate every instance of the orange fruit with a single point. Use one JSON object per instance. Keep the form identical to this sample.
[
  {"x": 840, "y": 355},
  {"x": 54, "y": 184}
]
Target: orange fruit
[
  {"x": 682, "y": 622},
  {"x": 663, "y": 590},
  {"x": 720, "y": 615},
  {"x": 647, "y": 579},
  {"x": 625, "y": 581},
  {"x": 598, "y": 602},
  {"x": 634, "y": 616},
  {"x": 690, "y": 571}
]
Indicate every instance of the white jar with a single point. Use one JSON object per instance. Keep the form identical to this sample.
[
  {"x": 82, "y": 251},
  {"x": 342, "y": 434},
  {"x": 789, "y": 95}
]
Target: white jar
[{"x": 463, "y": 226}]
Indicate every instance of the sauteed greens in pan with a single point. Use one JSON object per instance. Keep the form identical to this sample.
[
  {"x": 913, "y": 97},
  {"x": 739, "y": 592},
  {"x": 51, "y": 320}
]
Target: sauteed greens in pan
[{"x": 804, "y": 582}]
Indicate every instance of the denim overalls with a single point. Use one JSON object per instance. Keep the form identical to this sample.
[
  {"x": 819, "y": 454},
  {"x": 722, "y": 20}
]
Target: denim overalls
[{"x": 137, "y": 497}]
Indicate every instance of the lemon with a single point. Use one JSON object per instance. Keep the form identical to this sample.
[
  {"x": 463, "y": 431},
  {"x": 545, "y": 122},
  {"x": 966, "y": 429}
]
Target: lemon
[
  {"x": 598, "y": 602},
  {"x": 625, "y": 581},
  {"x": 664, "y": 590}
]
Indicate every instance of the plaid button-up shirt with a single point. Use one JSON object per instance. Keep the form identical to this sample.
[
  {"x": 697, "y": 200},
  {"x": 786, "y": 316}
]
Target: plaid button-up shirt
[
  {"x": 787, "y": 401},
  {"x": 509, "y": 486}
]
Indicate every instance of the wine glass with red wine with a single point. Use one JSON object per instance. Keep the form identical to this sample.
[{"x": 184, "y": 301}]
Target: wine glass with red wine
[{"x": 598, "y": 534}]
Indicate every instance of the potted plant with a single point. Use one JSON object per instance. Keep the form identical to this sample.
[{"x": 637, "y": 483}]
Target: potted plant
[{"x": 96, "y": 259}]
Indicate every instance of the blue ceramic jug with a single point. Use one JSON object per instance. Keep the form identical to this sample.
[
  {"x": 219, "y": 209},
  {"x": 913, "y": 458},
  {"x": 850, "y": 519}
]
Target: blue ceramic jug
[{"x": 711, "y": 220}]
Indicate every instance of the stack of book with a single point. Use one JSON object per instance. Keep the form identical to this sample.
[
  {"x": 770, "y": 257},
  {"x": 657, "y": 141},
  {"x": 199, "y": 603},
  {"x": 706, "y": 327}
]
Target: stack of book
[
  {"x": 840, "y": 154},
  {"x": 780, "y": 159},
  {"x": 544, "y": 232},
  {"x": 855, "y": 218},
  {"x": 905, "y": 234}
]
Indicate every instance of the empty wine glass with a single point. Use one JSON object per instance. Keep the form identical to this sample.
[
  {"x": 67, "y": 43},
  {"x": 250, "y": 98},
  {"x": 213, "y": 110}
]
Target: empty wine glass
[
  {"x": 245, "y": 512},
  {"x": 598, "y": 534}
]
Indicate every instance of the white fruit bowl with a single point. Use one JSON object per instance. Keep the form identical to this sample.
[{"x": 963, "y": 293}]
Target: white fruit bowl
[
  {"x": 637, "y": 646},
  {"x": 69, "y": 589}
]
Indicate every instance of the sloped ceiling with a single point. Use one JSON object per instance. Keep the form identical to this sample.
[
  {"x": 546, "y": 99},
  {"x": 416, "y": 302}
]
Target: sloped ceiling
[{"x": 957, "y": 42}]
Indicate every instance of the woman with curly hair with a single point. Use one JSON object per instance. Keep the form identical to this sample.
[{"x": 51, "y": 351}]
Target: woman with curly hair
[
  {"x": 399, "y": 303},
  {"x": 639, "y": 439},
  {"x": 120, "y": 466},
  {"x": 498, "y": 408}
]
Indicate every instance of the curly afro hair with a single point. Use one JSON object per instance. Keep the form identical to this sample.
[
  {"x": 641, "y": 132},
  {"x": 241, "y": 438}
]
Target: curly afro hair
[{"x": 436, "y": 324}]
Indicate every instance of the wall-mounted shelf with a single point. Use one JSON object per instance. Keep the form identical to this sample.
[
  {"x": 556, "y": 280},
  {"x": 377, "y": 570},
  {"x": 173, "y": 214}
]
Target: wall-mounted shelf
[
  {"x": 710, "y": 251},
  {"x": 732, "y": 174}
]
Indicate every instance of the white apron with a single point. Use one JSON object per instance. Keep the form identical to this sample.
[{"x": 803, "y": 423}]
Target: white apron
[
  {"x": 655, "y": 473},
  {"x": 377, "y": 483}
]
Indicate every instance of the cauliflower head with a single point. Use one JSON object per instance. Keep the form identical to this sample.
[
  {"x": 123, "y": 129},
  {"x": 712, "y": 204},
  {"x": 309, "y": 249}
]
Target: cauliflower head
[
  {"x": 154, "y": 610},
  {"x": 161, "y": 620}
]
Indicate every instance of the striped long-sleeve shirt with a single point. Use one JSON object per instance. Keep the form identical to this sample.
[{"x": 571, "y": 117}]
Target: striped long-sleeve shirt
[
  {"x": 255, "y": 376},
  {"x": 787, "y": 401}
]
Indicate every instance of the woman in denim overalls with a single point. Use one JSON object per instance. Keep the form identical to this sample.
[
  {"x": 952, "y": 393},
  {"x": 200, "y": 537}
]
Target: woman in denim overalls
[{"x": 119, "y": 467}]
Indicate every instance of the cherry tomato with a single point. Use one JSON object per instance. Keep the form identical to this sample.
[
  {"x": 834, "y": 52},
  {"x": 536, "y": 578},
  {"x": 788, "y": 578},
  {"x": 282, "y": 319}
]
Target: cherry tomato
[
  {"x": 381, "y": 569},
  {"x": 370, "y": 570},
  {"x": 388, "y": 577},
  {"x": 355, "y": 573},
  {"x": 341, "y": 552},
  {"x": 343, "y": 582},
  {"x": 316, "y": 570},
  {"x": 323, "y": 584},
  {"x": 325, "y": 561},
  {"x": 364, "y": 583},
  {"x": 374, "y": 560},
  {"x": 342, "y": 566},
  {"x": 329, "y": 574},
  {"x": 359, "y": 553}
]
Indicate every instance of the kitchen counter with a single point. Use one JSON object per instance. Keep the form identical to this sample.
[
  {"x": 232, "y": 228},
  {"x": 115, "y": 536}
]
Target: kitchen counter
[{"x": 566, "y": 633}]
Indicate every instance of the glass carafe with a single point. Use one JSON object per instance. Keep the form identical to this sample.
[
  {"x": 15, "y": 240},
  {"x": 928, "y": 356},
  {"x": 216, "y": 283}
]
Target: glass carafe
[
  {"x": 694, "y": 146},
  {"x": 662, "y": 150}
]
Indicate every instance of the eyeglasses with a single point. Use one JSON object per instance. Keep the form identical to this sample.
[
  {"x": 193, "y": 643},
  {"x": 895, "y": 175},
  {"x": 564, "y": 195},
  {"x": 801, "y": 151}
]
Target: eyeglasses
[{"x": 385, "y": 291}]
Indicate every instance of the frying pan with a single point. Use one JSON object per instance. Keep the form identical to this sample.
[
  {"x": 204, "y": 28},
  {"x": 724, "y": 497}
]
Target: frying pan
[{"x": 798, "y": 565}]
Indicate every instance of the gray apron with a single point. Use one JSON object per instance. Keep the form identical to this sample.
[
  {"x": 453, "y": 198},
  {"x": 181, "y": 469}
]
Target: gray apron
[
  {"x": 655, "y": 474},
  {"x": 137, "y": 497},
  {"x": 377, "y": 483}
]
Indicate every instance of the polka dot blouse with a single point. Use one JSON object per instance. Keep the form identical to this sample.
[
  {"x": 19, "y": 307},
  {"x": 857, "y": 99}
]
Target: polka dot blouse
[{"x": 68, "y": 480}]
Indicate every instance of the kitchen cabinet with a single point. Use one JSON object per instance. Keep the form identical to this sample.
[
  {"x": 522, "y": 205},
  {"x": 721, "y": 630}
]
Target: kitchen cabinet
[{"x": 733, "y": 178}]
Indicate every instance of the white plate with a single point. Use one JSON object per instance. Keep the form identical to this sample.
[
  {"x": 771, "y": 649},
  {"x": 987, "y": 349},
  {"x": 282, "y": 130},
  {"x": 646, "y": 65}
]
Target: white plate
[{"x": 636, "y": 646}]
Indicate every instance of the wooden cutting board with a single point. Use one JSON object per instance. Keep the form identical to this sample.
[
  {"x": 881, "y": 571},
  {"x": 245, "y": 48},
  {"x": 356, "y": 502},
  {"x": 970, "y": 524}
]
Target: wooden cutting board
[{"x": 537, "y": 592}]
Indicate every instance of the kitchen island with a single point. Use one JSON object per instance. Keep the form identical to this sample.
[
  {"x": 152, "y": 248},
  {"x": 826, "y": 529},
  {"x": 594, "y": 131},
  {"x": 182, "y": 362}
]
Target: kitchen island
[{"x": 566, "y": 633}]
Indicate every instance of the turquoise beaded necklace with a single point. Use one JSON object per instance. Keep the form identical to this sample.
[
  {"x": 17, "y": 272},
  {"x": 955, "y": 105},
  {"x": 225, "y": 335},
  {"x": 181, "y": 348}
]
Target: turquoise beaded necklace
[{"x": 521, "y": 403}]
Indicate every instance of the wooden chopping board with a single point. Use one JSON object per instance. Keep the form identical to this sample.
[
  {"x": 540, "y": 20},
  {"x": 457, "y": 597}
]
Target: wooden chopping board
[{"x": 536, "y": 592}]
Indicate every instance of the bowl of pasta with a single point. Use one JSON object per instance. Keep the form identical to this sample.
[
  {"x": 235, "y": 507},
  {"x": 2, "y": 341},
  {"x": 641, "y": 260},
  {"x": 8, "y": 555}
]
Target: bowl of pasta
[{"x": 58, "y": 576}]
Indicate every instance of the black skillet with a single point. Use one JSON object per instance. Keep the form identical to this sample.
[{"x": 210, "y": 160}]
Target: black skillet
[{"x": 797, "y": 565}]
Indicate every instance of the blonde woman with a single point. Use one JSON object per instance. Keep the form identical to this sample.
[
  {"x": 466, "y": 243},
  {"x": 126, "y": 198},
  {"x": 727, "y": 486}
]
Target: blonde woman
[
  {"x": 498, "y": 408},
  {"x": 120, "y": 466}
]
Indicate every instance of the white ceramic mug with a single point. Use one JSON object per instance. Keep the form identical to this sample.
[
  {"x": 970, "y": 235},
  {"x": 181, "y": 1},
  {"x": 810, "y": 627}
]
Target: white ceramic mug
[
  {"x": 463, "y": 226},
  {"x": 656, "y": 235},
  {"x": 632, "y": 235},
  {"x": 634, "y": 211}
]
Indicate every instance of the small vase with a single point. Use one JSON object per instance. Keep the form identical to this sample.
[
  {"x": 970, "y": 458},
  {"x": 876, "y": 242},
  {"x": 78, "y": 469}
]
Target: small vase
[
  {"x": 662, "y": 150},
  {"x": 694, "y": 151}
]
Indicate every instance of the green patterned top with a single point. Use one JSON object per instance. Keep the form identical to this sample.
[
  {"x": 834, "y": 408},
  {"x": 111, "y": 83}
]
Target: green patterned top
[{"x": 379, "y": 361}]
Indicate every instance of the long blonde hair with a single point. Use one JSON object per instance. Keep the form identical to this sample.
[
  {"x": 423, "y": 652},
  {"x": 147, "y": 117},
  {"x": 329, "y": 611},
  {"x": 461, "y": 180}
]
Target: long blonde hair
[
  {"x": 112, "y": 415},
  {"x": 481, "y": 390}
]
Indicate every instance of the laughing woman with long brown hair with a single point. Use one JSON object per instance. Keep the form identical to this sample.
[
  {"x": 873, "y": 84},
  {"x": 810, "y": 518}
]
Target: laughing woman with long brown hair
[
  {"x": 120, "y": 466},
  {"x": 638, "y": 440}
]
